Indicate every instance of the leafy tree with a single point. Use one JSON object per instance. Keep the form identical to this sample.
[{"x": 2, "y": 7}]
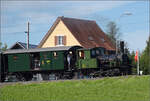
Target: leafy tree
[
  {"x": 113, "y": 31},
  {"x": 3, "y": 48},
  {"x": 145, "y": 59}
]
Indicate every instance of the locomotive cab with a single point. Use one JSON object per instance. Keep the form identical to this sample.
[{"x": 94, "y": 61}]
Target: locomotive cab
[
  {"x": 71, "y": 58},
  {"x": 98, "y": 51}
]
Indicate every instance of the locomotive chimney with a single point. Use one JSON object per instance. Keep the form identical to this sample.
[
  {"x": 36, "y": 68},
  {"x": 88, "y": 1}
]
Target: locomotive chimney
[{"x": 122, "y": 46}]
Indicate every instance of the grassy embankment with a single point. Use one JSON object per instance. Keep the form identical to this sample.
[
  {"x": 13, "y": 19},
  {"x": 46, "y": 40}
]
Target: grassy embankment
[{"x": 129, "y": 88}]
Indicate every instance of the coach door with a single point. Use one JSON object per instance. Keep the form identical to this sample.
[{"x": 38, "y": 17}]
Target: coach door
[
  {"x": 35, "y": 61},
  {"x": 58, "y": 60},
  {"x": 46, "y": 60}
]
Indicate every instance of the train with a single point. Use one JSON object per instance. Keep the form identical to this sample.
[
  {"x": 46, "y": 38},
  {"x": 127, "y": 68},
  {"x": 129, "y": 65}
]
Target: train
[{"x": 64, "y": 62}]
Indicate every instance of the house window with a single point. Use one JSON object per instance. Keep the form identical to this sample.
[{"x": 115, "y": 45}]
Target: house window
[{"x": 60, "y": 40}]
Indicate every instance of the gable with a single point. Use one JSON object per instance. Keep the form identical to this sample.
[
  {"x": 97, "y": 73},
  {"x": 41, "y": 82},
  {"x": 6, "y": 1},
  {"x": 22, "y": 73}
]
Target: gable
[
  {"x": 60, "y": 30},
  {"x": 85, "y": 33},
  {"x": 20, "y": 45},
  {"x": 17, "y": 46}
]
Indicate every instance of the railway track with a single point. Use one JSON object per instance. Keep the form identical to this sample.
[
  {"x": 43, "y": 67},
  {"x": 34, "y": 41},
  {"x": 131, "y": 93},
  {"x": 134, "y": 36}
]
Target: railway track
[{"x": 44, "y": 81}]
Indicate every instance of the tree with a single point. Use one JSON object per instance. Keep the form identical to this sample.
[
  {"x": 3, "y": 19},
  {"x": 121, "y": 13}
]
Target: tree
[
  {"x": 133, "y": 63},
  {"x": 3, "y": 48},
  {"x": 113, "y": 31},
  {"x": 145, "y": 59},
  {"x": 109, "y": 27}
]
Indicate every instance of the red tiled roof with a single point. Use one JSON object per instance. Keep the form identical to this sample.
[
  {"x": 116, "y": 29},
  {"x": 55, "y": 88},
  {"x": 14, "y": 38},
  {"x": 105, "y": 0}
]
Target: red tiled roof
[{"x": 87, "y": 32}]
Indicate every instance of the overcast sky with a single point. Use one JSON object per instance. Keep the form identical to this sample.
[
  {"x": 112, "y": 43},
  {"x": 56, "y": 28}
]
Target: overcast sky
[{"x": 41, "y": 14}]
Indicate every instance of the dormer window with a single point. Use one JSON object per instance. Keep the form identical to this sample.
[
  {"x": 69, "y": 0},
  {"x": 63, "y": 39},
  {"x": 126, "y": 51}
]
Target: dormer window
[
  {"x": 90, "y": 38},
  {"x": 102, "y": 39}
]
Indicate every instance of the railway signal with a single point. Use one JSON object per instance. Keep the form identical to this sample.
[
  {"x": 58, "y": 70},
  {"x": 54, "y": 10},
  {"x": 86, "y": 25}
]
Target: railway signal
[{"x": 137, "y": 60}]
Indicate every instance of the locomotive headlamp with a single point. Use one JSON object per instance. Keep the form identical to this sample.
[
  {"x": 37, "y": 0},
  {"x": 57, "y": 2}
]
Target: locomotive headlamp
[{"x": 70, "y": 52}]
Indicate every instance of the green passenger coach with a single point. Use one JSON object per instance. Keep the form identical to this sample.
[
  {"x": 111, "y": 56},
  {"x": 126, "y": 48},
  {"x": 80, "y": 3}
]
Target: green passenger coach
[
  {"x": 18, "y": 62},
  {"x": 52, "y": 60},
  {"x": 45, "y": 61}
]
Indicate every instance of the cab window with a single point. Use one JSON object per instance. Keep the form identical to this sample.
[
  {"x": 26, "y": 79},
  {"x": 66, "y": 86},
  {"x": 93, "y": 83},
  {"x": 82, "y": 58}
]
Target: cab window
[
  {"x": 97, "y": 52},
  {"x": 93, "y": 53}
]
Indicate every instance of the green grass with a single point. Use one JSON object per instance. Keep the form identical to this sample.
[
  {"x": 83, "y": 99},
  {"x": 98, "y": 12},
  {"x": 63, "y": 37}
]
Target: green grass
[{"x": 128, "y": 88}]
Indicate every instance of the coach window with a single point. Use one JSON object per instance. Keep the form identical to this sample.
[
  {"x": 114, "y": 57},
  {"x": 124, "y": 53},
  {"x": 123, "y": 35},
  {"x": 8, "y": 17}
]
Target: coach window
[
  {"x": 45, "y": 56},
  {"x": 55, "y": 54},
  {"x": 15, "y": 57},
  {"x": 81, "y": 54}
]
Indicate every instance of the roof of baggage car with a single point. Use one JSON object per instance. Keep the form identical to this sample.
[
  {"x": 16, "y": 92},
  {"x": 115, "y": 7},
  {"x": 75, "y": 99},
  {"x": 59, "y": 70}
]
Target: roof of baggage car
[{"x": 60, "y": 48}]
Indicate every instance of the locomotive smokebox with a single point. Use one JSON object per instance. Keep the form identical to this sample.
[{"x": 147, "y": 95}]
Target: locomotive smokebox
[{"x": 122, "y": 46}]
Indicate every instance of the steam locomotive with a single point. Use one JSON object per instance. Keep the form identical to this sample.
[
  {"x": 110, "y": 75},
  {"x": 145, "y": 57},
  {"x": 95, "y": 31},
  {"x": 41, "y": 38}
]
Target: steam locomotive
[{"x": 64, "y": 62}]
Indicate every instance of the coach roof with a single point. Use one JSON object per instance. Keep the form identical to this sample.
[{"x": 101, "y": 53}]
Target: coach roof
[{"x": 60, "y": 48}]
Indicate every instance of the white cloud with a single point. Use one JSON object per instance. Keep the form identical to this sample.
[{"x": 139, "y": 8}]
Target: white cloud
[
  {"x": 32, "y": 5},
  {"x": 31, "y": 9},
  {"x": 43, "y": 13},
  {"x": 86, "y": 8},
  {"x": 74, "y": 8}
]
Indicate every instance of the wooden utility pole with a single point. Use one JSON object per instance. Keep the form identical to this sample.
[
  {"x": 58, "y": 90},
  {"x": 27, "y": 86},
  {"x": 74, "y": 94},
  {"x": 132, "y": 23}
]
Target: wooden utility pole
[{"x": 27, "y": 36}]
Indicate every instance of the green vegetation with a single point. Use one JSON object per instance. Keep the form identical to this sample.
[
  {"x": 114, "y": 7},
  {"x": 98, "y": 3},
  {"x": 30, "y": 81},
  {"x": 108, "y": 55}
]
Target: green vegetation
[
  {"x": 113, "y": 31},
  {"x": 133, "y": 63},
  {"x": 145, "y": 59},
  {"x": 125, "y": 88},
  {"x": 3, "y": 48}
]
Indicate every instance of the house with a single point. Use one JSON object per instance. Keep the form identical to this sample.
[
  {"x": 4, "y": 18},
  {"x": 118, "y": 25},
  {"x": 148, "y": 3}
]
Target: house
[
  {"x": 20, "y": 45},
  {"x": 71, "y": 31}
]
